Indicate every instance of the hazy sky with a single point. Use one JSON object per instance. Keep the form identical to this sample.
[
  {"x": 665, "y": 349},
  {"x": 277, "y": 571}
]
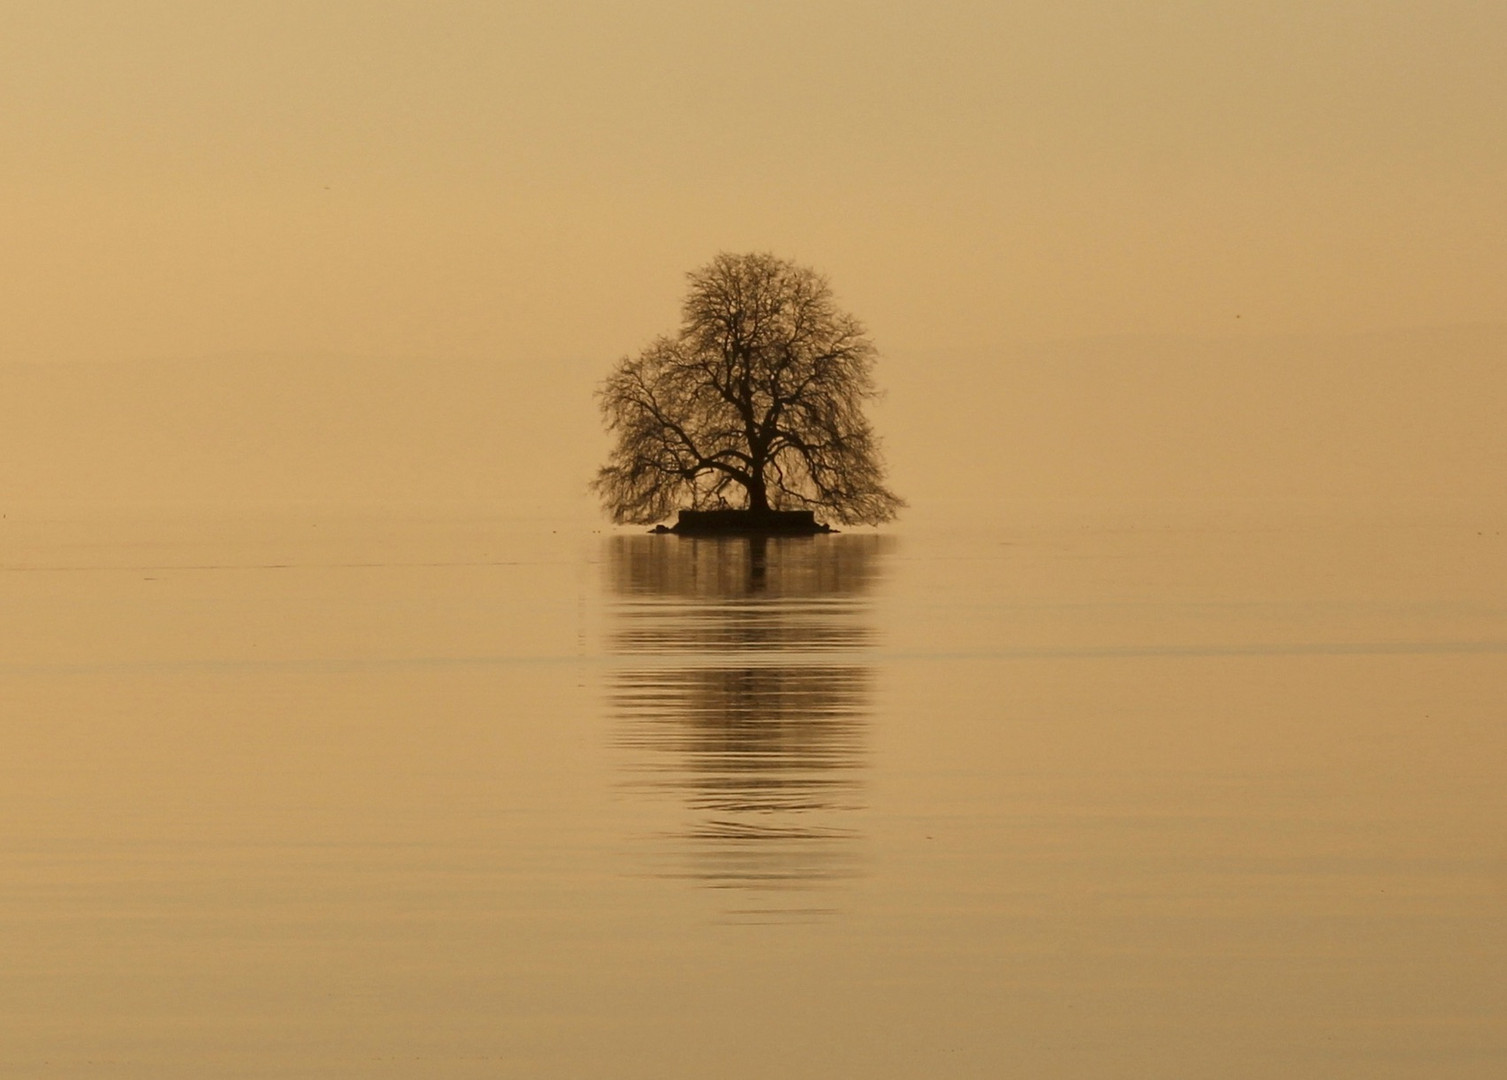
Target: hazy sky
[{"x": 523, "y": 185}]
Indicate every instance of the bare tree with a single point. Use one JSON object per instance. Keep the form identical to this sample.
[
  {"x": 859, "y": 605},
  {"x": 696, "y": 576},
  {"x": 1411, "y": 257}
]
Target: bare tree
[{"x": 756, "y": 403}]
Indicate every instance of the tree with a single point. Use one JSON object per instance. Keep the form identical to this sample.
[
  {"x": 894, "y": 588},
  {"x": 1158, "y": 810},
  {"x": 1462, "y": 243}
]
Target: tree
[{"x": 756, "y": 403}]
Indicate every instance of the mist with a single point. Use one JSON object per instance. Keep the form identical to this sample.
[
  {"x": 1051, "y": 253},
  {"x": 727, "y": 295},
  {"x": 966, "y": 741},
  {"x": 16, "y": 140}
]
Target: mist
[{"x": 1361, "y": 421}]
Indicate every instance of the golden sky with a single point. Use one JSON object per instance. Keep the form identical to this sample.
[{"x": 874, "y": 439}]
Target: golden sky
[{"x": 521, "y": 186}]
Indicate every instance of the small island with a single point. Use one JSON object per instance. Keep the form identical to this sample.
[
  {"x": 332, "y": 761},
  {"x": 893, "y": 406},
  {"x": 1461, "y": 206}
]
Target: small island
[
  {"x": 746, "y": 523},
  {"x": 750, "y": 420}
]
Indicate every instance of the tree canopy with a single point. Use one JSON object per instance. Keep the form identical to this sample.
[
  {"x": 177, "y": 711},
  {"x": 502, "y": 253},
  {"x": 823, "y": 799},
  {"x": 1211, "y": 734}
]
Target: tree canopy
[{"x": 756, "y": 403}]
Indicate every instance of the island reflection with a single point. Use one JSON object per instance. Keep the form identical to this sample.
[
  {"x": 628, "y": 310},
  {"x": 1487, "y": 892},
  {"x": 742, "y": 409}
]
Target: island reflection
[{"x": 745, "y": 694}]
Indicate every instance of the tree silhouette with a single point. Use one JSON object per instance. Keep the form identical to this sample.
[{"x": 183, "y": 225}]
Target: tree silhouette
[{"x": 756, "y": 403}]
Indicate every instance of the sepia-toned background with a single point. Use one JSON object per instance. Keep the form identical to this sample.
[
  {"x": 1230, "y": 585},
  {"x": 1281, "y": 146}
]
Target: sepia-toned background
[
  {"x": 342, "y": 736},
  {"x": 380, "y": 253}
]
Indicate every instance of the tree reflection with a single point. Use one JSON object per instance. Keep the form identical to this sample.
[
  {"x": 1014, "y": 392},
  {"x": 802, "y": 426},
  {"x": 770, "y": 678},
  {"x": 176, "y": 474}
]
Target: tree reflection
[{"x": 745, "y": 694}]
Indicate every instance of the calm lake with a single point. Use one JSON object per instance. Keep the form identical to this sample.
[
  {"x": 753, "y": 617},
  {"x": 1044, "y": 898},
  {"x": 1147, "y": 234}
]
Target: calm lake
[{"x": 1065, "y": 796}]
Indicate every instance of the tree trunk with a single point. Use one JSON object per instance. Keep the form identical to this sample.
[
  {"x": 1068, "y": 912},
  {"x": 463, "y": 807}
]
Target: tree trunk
[{"x": 758, "y": 493}]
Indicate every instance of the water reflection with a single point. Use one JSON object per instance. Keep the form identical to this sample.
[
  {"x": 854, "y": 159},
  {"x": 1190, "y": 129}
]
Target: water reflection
[{"x": 744, "y": 694}]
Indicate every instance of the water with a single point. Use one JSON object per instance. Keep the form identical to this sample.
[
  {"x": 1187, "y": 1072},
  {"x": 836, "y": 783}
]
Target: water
[
  {"x": 743, "y": 689},
  {"x": 1061, "y": 797}
]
